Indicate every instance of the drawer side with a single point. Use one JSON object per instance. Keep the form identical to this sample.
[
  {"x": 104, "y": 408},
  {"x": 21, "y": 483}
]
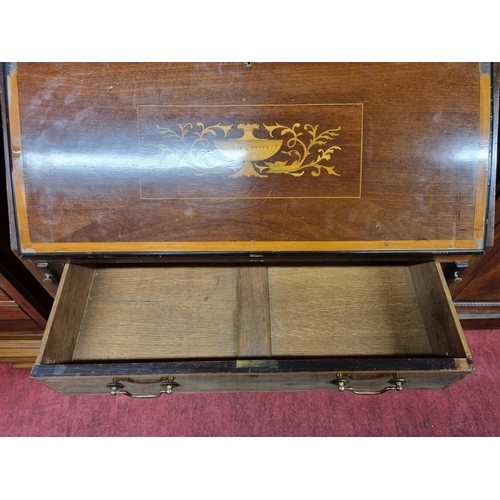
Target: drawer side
[
  {"x": 441, "y": 321},
  {"x": 63, "y": 327}
]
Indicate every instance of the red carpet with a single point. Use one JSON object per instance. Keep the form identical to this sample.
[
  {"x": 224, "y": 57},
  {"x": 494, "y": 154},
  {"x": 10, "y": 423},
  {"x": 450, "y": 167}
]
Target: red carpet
[{"x": 469, "y": 408}]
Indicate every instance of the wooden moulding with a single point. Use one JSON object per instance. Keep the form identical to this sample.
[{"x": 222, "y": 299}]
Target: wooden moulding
[
  {"x": 342, "y": 364},
  {"x": 12, "y": 312},
  {"x": 19, "y": 348}
]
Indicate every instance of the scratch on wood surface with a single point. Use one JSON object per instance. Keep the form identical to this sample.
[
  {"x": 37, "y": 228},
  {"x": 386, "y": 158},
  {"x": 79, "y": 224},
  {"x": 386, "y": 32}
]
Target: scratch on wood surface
[{"x": 133, "y": 98}]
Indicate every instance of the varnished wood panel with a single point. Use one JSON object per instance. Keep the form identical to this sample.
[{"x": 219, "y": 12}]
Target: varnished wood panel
[
  {"x": 477, "y": 296},
  {"x": 18, "y": 325},
  {"x": 12, "y": 311},
  {"x": 484, "y": 285},
  {"x": 26, "y": 335},
  {"x": 29, "y": 294},
  {"x": 81, "y": 160},
  {"x": 22, "y": 302},
  {"x": 19, "y": 348},
  {"x": 479, "y": 280}
]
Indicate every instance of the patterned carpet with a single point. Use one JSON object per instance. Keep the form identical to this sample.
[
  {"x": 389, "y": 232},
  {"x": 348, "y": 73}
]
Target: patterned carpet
[{"x": 469, "y": 408}]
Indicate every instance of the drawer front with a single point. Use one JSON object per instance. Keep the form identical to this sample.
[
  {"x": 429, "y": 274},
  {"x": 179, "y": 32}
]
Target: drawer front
[{"x": 359, "y": 381}]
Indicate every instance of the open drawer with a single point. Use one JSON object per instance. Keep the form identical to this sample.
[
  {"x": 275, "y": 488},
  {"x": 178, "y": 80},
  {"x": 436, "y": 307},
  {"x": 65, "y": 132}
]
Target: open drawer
[{"x": 144, "y": 331}]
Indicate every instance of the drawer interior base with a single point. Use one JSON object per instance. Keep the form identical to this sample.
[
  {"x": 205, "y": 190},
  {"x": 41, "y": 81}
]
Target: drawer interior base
[{"x": 168, "y": 313}]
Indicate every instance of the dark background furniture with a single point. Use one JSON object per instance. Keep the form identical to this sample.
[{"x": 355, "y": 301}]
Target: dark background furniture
[
  {"x": 477, "y": 291},
  {"x": 24, "y": 303}
]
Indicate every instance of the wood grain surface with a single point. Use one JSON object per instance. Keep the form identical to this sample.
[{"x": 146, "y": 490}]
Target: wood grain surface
[
  {"x": 248, "y": 382},
  {"x": 156, "y": 313},
  {"x": 134, "y": 313},
  {"x": 480, "y": 279},
  {"x": 21, "y": 326},
  {"x": 84, "y": 162},
  {"x": 340, "y": 311},
  {"x": 19, "y": 348},
  {"x": 441, "y": 321},
  {"x": 8, "y": 290},
  {"x": 254, "y": 322},
  {"x": 126, "y": 322},
  {"x": 63, "y": 326},
  {"x": 11, "y": 311}
]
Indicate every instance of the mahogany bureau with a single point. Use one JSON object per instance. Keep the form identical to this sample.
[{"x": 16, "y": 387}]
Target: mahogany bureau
[{"x": 250, "y": 226}]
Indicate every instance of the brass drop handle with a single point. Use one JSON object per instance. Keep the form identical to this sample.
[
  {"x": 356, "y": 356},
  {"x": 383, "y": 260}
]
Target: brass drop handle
[
  {"x": 167, "y": 387},
  {"x": 396, "y": 385}
]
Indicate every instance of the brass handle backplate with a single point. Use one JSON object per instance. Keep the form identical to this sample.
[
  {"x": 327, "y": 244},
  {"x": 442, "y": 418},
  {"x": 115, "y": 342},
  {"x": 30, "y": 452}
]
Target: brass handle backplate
[
  {"x": 166, "y": 387},
  {"x": 396, "y": 385}
]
